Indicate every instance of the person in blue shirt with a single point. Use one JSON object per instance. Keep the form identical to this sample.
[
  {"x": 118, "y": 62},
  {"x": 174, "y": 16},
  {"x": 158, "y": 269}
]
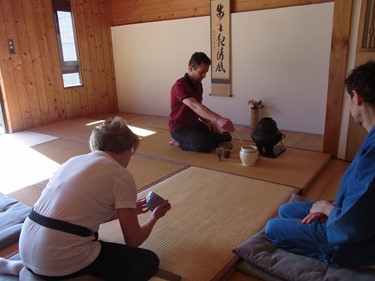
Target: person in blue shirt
[{"x": 339, "y": 232}]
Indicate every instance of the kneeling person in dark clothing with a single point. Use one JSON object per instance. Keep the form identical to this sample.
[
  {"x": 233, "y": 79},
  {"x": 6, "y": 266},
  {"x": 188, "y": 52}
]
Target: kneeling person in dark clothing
[{"x": 193, "y": 126}]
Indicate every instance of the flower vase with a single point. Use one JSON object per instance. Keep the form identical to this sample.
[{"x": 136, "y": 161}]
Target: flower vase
[{"x": 255, "y": 116}]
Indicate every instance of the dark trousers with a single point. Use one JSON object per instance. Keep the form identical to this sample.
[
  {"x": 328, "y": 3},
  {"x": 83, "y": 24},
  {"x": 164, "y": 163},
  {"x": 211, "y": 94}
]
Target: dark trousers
[
  {"x": 119, "y": 262},
  {"x": 199, "y": 138}
]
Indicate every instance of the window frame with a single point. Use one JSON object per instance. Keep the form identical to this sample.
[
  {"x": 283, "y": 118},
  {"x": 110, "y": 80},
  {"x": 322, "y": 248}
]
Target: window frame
[{"x": 67, "y": 67}]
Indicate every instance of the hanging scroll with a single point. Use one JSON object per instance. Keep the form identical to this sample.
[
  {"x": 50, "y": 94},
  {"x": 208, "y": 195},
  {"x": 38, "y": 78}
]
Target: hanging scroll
[{"x": 220, "y": 48}]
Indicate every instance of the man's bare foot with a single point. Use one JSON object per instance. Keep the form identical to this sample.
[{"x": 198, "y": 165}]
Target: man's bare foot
[{"x": 172, "y": 141}]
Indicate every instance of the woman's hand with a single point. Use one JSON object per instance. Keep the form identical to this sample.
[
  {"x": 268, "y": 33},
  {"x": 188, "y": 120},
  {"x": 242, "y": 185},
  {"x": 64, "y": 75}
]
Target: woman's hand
[
  {"x": 162, "y": 209},
  {"x": 141, "y": 206}
]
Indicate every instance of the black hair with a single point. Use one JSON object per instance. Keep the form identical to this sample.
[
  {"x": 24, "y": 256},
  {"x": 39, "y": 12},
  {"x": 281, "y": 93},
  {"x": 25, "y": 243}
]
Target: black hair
[
  {"x": 362, "y": 80},
  {"x": 198, "y": 58}
]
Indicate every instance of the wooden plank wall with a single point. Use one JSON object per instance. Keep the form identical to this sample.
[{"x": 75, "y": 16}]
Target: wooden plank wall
[
  {"x": 31, "y": 79},
  {"x": 137, "y": 11}
]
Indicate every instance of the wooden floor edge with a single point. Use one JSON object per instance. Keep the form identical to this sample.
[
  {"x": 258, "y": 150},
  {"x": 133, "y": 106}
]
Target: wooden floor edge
[{"x": 227, "y": 270}]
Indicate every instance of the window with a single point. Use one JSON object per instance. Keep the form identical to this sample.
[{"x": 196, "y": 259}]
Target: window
[{"x": 66, "y": 39}]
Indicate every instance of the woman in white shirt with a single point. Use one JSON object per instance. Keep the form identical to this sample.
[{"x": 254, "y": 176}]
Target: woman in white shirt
[{"x": 58, "y": 239}]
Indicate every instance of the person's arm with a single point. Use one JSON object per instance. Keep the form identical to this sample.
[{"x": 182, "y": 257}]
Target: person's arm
[
  {"x": 208, "y": 115},
  {"x": 141, "y": 208},
  {"x": 134, "y": 233}
]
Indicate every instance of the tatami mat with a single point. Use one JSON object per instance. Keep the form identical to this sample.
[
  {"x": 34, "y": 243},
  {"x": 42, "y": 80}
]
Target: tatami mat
[
  {"x": 30, "y": 194},
  {"x": 61, "y": 150},
  {"x": 294, "y": 167},
  {"x": 77, "y": 128},
  {"x": 147, "y": 171},
  {"x": 141, "y": 120},
  {"x": 27, "y": 138},
  {"x": 215, "y": 206},
  {"x": 144, "y": 169},
  {"x": 21, "y": 165},
  {"x": 212, "y": 212}
]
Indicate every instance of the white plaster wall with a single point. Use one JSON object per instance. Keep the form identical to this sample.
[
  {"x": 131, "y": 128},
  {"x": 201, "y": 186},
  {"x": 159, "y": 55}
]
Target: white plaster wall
[{"x": 280, "y": 56}]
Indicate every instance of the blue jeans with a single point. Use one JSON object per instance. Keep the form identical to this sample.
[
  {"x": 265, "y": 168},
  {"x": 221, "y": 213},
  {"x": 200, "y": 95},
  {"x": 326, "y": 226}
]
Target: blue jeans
[
  {"x": 199, "y": 138},
  {"x": 288, "y": 233}
]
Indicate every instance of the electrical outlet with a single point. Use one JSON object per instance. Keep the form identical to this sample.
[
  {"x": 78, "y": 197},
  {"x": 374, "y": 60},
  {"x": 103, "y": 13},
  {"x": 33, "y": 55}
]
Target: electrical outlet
[{"x": 11, "y": 48}]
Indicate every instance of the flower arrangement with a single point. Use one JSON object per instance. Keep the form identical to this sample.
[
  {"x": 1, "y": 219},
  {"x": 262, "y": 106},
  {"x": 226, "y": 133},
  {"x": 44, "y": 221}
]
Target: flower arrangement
[{"x": 255, "y": 104}]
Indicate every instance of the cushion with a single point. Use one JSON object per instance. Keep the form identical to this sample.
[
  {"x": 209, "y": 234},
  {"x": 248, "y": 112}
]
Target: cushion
[
  {"x": 260, "y": 258},
  {"x": 160, "y": 275},
  {"x": 25, "y": 275},
  {"x": 12, "y": 215}
]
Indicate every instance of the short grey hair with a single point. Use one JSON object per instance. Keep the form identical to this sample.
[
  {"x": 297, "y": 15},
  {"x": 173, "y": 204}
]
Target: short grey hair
[{"x": 113, "y": 135}]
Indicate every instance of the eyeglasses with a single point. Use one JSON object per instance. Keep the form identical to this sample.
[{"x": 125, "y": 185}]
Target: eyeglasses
[{"x": 132, "y": 151}]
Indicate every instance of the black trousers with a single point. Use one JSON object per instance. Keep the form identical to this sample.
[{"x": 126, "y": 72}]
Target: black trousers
[
  {"x": 199, "y": 138},
  {"x": 119, "y": 262}
]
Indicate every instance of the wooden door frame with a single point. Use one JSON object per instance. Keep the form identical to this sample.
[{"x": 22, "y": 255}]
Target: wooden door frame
[
  {"x": 342, "y": 16},
  {"x": 3, "y": 122}
]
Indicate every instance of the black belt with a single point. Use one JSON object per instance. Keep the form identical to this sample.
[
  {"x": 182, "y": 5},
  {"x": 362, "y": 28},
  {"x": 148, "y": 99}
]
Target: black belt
[{"x": 62, "y": 225}]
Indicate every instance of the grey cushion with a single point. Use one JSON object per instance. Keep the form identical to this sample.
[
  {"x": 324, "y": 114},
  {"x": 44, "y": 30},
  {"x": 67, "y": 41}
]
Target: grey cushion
[
  {"x": 263, "y": 260},
  {"x": 26, "y": 275},
  {"x": 12, "y": 215},
  {"x": 161, "y": 274}
]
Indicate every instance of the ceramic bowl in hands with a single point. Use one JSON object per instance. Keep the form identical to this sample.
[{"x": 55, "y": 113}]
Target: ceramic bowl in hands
[{"x": 153, "y": 200}]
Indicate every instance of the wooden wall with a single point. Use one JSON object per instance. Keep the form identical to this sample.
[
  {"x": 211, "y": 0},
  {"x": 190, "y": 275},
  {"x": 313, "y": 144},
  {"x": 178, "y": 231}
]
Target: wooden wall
[
  {"x": 137, "y": 11},
  {"x": 31, "y": 79}
]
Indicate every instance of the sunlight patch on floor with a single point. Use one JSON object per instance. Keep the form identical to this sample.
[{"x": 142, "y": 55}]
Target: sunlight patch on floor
[
  {"x": 21, "y": 166},
  {"x": 136, "y": 130},
  {"x": 99, "y": 122},
  {"x": 141, "y": 132}
]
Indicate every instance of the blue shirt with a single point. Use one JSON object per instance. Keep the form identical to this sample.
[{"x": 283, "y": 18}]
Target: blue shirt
[{"x": 351, "y": 224}]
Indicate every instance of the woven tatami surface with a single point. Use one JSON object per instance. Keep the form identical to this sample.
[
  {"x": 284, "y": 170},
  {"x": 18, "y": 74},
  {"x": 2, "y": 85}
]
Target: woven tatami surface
[
  {"x": 76, "y": 129},
  {"x": 294, "y": 167},
  {"x": 144, "y": 169},
  {"x": 30, "y": 194},
  {"x": 212, "y": 212}
]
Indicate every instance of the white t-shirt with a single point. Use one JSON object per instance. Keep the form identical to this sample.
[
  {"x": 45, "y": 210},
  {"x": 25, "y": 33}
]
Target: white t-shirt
[{"x": 86, "y": 190}]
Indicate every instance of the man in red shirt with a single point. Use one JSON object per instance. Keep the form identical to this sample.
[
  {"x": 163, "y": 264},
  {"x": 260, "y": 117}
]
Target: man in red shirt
[{"x": 193, "y": 126}]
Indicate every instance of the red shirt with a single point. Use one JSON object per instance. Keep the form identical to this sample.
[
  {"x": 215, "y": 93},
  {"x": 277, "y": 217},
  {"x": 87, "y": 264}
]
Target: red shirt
[{"x": 181, "y": 115}]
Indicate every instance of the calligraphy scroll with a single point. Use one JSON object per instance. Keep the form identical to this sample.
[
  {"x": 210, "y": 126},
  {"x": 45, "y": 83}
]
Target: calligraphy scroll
[{"x": 220, "y": 48}]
